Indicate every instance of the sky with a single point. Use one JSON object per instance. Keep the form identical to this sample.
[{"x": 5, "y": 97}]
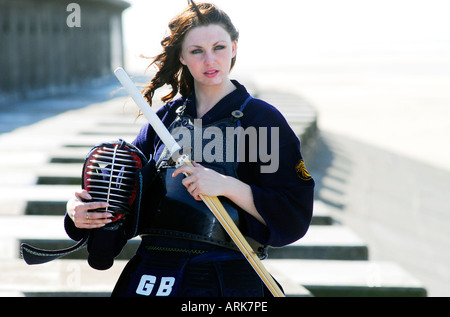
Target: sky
[
  {"x": 378, "y": 67},
  {"x": 288, "y": 31}
]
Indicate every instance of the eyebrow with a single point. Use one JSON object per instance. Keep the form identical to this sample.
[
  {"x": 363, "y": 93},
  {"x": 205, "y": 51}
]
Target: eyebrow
[{"x": 199, "y": 46}]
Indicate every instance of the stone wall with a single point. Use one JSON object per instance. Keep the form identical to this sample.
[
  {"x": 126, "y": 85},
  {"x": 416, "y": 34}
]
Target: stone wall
[{"x": 41, "y": 53}]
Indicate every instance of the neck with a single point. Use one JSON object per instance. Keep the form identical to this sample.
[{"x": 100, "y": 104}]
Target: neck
[{"x": 208, "y": 97}]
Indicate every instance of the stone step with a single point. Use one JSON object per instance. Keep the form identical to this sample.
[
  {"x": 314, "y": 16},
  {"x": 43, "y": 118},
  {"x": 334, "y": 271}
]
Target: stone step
[
  {"x": 348, "y": 278},
  {"x": 35, "y": 199},
  {"x": 59, "y": 173},
  {"x": 57, "y": 278},
  {"x": 324, "y": 242},
  {"x": 76, "y": 278},
  {"x": 297, "y": 277},
  {"x": 287, "y": 102},
  {"x": 301, "y": 116},
  {"x": 52, "y": 199},
  {"x": 321, "y": 214},
  {"x": 34, "y": 166},
  {"x": 47, "y": 232},
  {"x": 17, "y": 143},
  {"x": 105, "y": 129}
]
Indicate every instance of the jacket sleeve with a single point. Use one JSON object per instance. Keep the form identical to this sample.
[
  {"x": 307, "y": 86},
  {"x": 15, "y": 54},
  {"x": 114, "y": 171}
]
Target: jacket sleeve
[
  {"x": 72, "y": 231},
  {"x": 282, "y": 194},
  {"x": 284, "y": 199}
]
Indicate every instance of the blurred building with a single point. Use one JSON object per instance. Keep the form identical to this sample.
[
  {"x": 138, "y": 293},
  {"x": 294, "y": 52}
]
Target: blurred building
[{"x": 50, "y": 46}]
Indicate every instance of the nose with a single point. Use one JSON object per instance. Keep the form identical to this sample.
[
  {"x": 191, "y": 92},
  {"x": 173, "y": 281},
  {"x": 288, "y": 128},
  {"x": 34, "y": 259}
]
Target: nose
[{"x": 209, "y": 58}]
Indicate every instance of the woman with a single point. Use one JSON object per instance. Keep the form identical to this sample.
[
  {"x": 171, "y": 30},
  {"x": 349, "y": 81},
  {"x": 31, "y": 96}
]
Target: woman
[{"x": 184, "y": 251}]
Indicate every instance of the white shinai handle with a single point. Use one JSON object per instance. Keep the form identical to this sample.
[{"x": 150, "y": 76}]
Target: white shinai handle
[{"x": 147, "y": 111}]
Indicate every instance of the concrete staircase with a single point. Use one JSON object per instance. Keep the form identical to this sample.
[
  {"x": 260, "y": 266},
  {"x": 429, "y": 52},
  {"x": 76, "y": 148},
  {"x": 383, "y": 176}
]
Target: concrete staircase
[{"x": 43, "y": 164}]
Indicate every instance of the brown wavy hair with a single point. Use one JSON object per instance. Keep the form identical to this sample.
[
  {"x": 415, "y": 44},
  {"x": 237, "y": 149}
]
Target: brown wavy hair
[{"x": 170, "y": 70}]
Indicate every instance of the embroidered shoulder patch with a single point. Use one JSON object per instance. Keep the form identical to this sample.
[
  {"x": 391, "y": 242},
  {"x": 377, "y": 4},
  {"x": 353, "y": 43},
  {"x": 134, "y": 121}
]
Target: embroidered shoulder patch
[{"x": 301, "y": 171}]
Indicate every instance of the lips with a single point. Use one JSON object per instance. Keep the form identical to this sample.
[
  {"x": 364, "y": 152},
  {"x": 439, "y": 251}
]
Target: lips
[{"x": 211, "y": 73}]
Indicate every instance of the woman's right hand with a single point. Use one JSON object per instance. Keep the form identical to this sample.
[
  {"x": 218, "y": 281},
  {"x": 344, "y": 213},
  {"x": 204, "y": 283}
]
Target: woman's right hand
[{"x": 81, "y": 211}]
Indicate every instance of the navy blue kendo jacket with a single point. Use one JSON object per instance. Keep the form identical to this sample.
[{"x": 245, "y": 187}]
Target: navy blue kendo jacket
[{"x": 284, "y": 197}]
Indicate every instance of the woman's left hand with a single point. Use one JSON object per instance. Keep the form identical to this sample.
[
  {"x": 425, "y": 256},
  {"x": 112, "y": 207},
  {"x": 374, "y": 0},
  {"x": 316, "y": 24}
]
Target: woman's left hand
[{"x": 202, "y": 180}]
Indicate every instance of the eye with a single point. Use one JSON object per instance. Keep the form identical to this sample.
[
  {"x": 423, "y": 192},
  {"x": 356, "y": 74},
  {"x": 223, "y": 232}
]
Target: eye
[
  {"x": 219, "y": 47},
  {"x": 196, "y": 51}
]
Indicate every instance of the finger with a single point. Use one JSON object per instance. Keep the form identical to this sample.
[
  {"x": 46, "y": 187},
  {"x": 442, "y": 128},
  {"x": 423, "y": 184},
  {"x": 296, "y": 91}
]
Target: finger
[
  {"x": 190, "y": 186},
  {"x": 83, "y": 195},
  {"x": 196, "y": 164},
  {"x": 80, "y": 210},
  {"x": 188, "y": 180},
  {"x": 93, "y": 216},
  {"x": 93, "y": 220},
  {"x": 96, "y": 205},
  {"x": 183, "y": 169},
  {"x": 195, "y": 195},
  {"x": 100, "y": 222},
  {"x": 91, "y": 224},
  {"x": 194, "y": 190}
]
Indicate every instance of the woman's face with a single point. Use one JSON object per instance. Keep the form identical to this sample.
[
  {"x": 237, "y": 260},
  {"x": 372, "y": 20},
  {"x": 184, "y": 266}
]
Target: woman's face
[{"x": 207, "y": 52}]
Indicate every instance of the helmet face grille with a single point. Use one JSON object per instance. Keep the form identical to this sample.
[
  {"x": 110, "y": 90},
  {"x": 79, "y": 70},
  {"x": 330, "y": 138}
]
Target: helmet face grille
[{"x": 110, "y": 175}]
